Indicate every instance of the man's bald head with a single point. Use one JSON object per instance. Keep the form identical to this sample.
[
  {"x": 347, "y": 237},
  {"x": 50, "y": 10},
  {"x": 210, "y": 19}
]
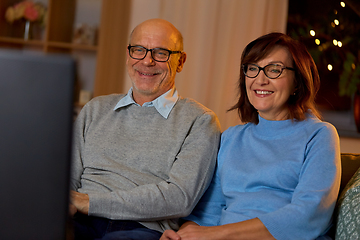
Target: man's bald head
[{"x": 162, "y": 25}]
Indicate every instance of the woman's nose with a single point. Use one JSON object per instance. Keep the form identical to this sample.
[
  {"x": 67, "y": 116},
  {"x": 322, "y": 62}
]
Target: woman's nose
[{"x": 262, "y": 78}]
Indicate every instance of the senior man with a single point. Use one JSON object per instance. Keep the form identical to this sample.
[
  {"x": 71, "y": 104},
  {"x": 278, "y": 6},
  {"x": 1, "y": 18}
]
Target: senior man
[{"x": 142, "y": 160}]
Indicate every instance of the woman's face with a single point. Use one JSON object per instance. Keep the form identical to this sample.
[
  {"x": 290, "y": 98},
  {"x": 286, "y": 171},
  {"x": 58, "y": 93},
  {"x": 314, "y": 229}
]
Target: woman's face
[{"x": 270, "y": 96}]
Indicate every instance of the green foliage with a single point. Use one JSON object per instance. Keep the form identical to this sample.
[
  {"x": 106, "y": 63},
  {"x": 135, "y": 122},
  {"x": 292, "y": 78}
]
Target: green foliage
[
  {"x": 345, "y": 59},
  {"x": 350, "y": 77}
]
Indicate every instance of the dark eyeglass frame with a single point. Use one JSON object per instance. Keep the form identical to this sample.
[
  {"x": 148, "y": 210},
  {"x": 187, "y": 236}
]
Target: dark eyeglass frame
[
  {"x": 263, "y": 69},
  {"x": 151, "y": 51}
]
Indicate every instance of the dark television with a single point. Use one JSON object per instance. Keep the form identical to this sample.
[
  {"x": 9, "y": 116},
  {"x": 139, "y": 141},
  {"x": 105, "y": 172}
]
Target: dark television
[{"x": 36, "y": 99}]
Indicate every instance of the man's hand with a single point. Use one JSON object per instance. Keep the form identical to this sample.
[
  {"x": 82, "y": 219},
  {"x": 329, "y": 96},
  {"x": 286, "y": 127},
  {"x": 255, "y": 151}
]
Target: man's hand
[
  {"x": 79, "y": 202},
  {"x": 72, "y": 210}
]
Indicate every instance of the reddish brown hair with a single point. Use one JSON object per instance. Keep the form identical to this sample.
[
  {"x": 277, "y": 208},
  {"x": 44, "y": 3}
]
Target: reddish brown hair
[{"x": 307, "y": 80}]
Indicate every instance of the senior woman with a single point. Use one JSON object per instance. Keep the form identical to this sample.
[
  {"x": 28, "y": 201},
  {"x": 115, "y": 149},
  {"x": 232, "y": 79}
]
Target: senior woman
[{"x": 278, "y": 175}]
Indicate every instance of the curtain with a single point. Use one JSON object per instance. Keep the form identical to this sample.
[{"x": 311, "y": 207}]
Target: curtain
[{"x": 215, "y": 33}]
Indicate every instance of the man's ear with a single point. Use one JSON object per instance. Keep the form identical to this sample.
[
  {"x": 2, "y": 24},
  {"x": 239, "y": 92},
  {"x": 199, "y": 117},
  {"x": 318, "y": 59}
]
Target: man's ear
[{"x": 181, "y": 62}]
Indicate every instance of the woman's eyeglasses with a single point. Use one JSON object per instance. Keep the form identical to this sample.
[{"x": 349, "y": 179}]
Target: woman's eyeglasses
[{"x": 271, "y": 70}]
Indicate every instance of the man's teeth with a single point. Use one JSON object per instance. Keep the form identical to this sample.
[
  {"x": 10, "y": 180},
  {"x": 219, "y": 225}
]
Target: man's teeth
[
  {"x": 263, "y": 92},
  {"x": 148, "y": 74}
]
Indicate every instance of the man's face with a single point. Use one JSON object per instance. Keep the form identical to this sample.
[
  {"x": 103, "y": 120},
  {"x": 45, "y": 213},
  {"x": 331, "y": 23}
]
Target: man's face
[{"x": 151, "y": 79}]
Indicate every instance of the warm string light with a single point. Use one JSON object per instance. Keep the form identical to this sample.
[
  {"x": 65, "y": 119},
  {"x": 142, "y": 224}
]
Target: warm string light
[{"x": 338, "y": 43}]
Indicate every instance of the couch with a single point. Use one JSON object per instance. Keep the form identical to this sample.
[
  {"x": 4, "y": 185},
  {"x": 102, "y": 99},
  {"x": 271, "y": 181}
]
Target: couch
[{"x": 347, "y": 211}]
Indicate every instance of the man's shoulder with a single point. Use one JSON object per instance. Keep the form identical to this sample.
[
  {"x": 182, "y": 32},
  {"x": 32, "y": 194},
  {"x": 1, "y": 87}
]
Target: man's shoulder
[
  {"x": 100, "y": 105},
  {"x": 187, "y": 110},
  {"x": 192, "y": 106},
  {"x": 106, "y": 100}
]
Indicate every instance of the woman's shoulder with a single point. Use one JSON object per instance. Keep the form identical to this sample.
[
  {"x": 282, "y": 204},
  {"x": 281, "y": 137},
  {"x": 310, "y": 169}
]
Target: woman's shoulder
[
  {"x": 316, "y": 127},
  {"x": 317, "y": 124}
]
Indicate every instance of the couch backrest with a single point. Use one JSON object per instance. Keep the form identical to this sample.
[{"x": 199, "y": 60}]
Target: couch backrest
[{"x": 350, "y": 162}]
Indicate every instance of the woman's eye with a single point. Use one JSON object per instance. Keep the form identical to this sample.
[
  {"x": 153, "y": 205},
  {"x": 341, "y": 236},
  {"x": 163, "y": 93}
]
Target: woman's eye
[
  {"x": 252, "y": 68},
  {"x": 275, "y": 70}
]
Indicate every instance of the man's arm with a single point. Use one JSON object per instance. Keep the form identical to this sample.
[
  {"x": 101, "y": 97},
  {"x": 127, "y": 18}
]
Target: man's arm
[{"x": 78, "y": 140}]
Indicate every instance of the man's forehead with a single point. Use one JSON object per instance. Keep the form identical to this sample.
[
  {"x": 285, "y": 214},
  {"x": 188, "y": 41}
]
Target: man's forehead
[{"x": 153, "y": 36}]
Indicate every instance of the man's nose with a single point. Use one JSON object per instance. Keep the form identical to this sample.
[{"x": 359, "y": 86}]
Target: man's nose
[{"x": 148, "y": 58}]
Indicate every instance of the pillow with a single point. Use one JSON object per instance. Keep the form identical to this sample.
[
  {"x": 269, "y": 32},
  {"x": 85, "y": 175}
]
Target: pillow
[{"x": 348, "y": 210}]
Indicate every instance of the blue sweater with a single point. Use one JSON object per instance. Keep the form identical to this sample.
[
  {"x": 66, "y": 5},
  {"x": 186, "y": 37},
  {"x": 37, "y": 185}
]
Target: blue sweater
[{"x": 286, "y": 173}]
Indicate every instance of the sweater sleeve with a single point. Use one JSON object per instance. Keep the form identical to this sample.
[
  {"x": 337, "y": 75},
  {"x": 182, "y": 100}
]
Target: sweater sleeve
[
  {"x": 208, "y": 211},
  {"x": 176, "y": 196},
  {"x": 77, "y": 146},
  {"x": 315, "y": 196}
]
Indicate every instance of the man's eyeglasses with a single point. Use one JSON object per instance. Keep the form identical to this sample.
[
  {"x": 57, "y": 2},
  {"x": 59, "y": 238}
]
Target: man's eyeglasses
[
  {"x": 158, "y": 54},
  {"x": 271, "y": 70}
]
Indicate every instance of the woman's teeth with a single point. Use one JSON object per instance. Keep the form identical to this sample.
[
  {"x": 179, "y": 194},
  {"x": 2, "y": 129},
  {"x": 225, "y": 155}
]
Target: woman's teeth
[{"x": 263, "y": 92}]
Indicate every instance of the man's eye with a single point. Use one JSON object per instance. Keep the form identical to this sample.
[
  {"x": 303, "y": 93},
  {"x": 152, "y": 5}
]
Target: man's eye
[
  {"x": 254, "y": 69},
  {"x": 138, "y": 50},
  {"x": 162, "y": 53}
]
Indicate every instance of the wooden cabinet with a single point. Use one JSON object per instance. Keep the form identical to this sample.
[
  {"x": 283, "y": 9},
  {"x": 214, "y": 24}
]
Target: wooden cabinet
[
  {"x": 58, "y": 30},
  {"x": 57, "y": 36}
]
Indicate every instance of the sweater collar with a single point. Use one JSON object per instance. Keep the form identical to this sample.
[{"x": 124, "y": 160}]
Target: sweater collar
[
  {"x": 163, "y": 104},
  {"x": 273, "y": 129}
]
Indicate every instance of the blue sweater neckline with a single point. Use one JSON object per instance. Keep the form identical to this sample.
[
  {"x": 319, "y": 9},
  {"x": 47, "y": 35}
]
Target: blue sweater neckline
[{"x": 274, "y": 129}]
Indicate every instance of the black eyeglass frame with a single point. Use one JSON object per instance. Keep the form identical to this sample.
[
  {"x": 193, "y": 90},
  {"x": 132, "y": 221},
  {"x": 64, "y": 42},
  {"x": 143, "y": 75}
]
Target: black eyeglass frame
[
  {"x": 263, "y": 69},
  {"x": 151, "y": 51}
]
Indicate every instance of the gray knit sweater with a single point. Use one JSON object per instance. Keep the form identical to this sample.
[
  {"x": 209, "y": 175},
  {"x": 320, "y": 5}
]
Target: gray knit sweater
[{"x": 136, "y": 165}]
